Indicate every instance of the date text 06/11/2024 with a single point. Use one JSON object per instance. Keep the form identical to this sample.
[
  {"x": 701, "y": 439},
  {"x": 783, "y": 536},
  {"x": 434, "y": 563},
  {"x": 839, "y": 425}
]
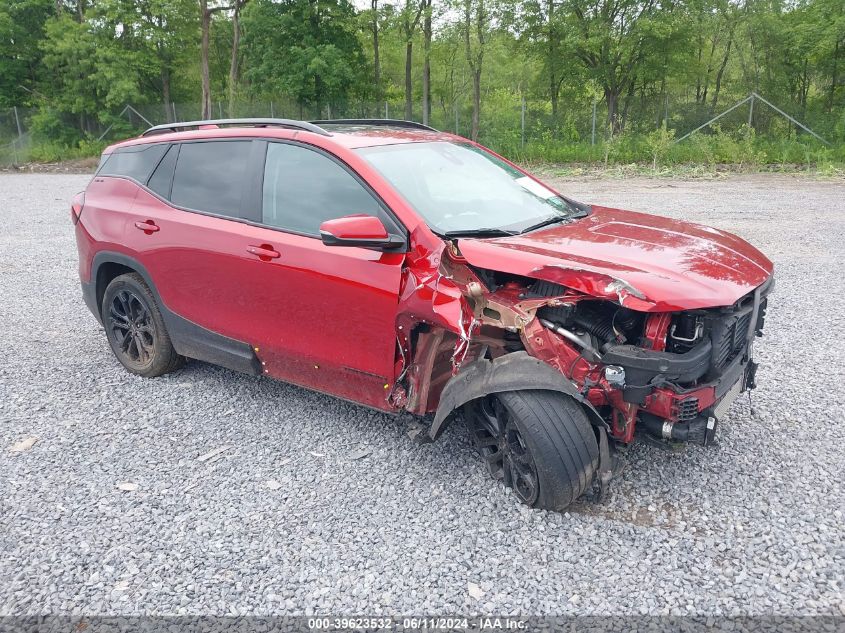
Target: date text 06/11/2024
[{"x": 481, "y": 623}]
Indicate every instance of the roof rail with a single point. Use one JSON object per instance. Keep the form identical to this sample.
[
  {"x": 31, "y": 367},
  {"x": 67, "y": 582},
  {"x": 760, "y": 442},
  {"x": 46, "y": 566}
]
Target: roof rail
[
  {"x": 285, "y": 123},
  {"x": 378, "y": 122}
]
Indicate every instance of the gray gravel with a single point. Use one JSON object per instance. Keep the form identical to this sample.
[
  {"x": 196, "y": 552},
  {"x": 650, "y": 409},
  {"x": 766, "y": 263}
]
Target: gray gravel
[{"x": 286, "y": 521}]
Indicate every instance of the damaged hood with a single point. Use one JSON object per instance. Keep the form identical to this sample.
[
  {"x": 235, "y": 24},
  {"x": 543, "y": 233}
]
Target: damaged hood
[{"x": 647, "y": 262}]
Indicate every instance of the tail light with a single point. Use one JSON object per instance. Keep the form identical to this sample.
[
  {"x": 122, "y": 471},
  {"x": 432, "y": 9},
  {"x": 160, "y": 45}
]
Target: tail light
[{"x": 76, "y": 207}]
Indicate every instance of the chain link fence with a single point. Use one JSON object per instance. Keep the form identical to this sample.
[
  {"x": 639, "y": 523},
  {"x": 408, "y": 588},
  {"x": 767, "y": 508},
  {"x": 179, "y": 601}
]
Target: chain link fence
[
  {"x": 15, "y": 137},
  {"x": 510, "y": 123}
]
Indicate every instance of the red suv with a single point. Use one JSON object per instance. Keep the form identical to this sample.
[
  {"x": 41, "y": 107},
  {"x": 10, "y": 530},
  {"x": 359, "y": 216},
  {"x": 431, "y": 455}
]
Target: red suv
[{"x": 415, "y": 271}]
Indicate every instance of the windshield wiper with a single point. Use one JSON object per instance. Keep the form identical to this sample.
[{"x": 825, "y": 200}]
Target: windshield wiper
[
  {"x": 556, "y": 219},
  {"x": 480, "y": 233}
]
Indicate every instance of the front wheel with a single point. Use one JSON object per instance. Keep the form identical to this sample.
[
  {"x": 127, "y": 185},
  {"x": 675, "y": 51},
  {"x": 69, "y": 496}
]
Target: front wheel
[
  {"x": 135, "y": 328},
  {"x": 539, "y": 443}
]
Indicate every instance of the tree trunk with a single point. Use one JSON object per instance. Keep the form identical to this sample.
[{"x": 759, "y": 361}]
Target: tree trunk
[
  {"x": 480, "y": 19},
  {"x": 834, "y": 77},
  {"x": 698, "y": 73},
  {"x": 476, "y": 101},
  {"x": 234, "y": 63},
  {"x": 554, "y": 86},
  {"x": 165, "y": 93},
  {"x": 376, "y": 59},
  {"x": 409, "y": 87},
  {"x": 204, "y": 71},
  {"x": 474, "y": 59},
  {"x": 611, "y": 97},
  {"x": 627, "y": 103},
  {"x": 721, "y": 72},
  {"x": 409, "y": 27},
  {"x": 804, "y": 89},
  {"x": 426, "y": 79},
  {"x": 660, "y": 103},
  {"x": 709, "y": 71}
]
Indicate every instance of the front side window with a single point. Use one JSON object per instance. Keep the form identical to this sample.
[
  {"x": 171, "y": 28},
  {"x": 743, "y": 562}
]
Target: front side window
[
  {"x": 304, "y": 188},
  {"x": 460, "y": 188},
  {"x": 210, "y": 176}
]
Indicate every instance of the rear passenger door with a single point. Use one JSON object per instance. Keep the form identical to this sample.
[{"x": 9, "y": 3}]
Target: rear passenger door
[{"x": 187, "y": 230}]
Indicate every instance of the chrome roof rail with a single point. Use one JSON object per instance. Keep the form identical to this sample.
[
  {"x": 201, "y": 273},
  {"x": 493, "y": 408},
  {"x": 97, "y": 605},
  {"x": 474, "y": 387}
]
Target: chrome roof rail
[
  {"x": 377, "y": 122},
  {"x": 290, "y": 124}
]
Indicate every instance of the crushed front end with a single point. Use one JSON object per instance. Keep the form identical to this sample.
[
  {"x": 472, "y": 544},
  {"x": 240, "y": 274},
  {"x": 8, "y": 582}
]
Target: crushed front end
[
  {"x": 667, "y": 375},
  {"x": 638, "y": 366}
]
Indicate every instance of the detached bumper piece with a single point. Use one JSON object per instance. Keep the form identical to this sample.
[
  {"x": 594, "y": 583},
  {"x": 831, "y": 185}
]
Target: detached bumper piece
[{"x": 701, "y": 430}]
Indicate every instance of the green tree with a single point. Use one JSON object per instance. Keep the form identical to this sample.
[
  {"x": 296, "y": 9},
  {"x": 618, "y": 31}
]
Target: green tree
[
  {"x": 157, "y": 33},
  {"x": 616, "y": 40},
  {"x": 83, "y": 74},
  {"x": 308, "y": 49},
  {"x": 22, "y": 25},
  {"x": 475, "y": 30},
  {"x": 412, "y": 12}
]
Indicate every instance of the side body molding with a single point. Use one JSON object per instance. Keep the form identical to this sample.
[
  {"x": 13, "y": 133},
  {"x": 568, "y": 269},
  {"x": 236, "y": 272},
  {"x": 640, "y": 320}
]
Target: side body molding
[{"x": 510, "y": 372}]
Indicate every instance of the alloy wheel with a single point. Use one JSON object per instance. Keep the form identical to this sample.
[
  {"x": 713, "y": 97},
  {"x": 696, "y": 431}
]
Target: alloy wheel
[
  {"x": 503, "y": 448},
  {"x": 131, "y": 325}
]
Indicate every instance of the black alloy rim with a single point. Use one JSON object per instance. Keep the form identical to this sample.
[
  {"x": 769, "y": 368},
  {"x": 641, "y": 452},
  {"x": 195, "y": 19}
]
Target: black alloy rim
[
  {"x": 132, "y": 327},
  {"x": 504, "y": 450}
]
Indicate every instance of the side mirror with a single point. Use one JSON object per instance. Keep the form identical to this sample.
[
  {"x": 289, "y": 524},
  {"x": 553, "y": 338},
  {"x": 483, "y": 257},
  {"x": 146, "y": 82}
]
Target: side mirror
[{"x": 358, "y": 230}]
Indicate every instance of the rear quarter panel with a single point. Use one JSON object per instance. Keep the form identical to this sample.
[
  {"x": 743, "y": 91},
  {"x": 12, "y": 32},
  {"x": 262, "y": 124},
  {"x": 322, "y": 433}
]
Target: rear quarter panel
[{"x": 102, "y": 225}]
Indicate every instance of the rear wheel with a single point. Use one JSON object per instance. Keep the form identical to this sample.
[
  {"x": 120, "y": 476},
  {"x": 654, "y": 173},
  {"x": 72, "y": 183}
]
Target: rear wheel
[
  {"x": 135, "y": 329},
  {"x": 539, "y": 443}
]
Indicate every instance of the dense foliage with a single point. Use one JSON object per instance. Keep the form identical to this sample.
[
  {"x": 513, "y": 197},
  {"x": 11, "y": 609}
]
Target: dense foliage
[{"x": 524, "y": 76}]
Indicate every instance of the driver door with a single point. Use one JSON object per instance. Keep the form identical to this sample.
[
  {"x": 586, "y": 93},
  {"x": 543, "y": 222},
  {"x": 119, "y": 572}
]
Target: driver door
[{"x": 321, "y": 316}]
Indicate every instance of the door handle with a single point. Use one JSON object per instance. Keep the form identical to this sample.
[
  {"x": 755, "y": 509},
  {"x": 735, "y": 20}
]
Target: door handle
[
  {"x": 147, "y": 226},
  {"x": 265, "y": 252}
]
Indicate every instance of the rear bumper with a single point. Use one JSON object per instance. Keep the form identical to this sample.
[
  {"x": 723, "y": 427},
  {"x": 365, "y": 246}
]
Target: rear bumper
[{"x": 89, "y": 295}]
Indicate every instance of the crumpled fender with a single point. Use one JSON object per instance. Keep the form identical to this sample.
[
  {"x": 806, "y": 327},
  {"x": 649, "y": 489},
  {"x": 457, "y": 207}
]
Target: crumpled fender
[{"x": 510, "y": 372}]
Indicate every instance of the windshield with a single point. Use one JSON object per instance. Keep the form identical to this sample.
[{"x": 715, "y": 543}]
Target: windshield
[{"x": 460, "y": 188}]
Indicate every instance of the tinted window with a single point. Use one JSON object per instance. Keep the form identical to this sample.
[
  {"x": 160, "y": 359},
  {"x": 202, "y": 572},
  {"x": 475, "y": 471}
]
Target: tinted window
[
  {"x": 162, "y": 177},
  {"x": 210, "y": 176},
  {"x": 303, "y": 188},
  {"x": 137, "y": 161}
]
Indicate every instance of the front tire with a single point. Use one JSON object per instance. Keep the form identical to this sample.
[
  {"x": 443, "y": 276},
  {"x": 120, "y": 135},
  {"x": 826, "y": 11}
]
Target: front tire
[
  {"x": 539, "y": 443},
  {"x": 135, "y": 328}
]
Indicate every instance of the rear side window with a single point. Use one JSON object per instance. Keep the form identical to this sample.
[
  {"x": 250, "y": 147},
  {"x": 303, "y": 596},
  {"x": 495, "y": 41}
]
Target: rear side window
[
  {"x": 136, "y": 162},
  {"x": 303, "y": 188},
  {"x": 162, "y": 177},
  {"x": 210, "y": 176}
]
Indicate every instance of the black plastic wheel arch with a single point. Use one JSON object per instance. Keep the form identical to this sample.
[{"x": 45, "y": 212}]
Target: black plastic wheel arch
[{"x": 511, "y": 372}]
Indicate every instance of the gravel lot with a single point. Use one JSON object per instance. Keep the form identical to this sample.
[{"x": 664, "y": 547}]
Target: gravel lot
[{"x": 753, "y": 526}]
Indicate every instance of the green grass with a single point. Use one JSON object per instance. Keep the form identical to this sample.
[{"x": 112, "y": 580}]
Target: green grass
[
  {"x": 684, "y": 171},
  {"x": 56, "y": 153},
  {"x": 658, "y": 153},
  {"x": 50, "y": 152},
  {"x": 655, "y": 154}
]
